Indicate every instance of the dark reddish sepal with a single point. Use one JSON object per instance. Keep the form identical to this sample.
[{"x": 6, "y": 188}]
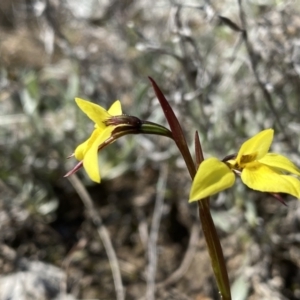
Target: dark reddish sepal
[
  {"x": 175, "y": 127},
  {"x": 75, "y": 169}
]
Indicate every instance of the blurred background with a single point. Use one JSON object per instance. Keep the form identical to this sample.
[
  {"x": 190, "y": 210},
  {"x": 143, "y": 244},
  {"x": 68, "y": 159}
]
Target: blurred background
[{"x": 224, "y": 83}]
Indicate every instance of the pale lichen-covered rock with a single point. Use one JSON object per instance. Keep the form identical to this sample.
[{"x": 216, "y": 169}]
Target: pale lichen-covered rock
[{"x": 35, "y": 281}]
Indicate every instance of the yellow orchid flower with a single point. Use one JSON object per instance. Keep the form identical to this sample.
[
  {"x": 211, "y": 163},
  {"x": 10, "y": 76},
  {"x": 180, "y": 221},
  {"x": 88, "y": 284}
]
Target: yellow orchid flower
[
  {"x": 110, "y": 125},
  {"x": 259, "y": 170},
  {"x": 88, "y": 150}
]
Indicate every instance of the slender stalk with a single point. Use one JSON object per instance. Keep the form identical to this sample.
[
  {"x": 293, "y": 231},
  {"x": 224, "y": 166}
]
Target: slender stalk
[
  {"x": 209, "y": 229},
  {"x": 214, "y": 249},
  {"x": 211, "y": 235},
  {"x": 152, "y": 243},
  {"x": 103, "y": 234}
]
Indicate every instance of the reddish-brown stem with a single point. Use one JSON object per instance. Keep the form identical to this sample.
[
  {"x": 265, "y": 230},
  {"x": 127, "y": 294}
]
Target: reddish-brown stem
[{"x": 209, "y": 230}]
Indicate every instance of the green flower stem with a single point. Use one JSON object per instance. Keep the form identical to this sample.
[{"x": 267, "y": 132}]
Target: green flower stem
[
  {"x": 209, "y": 230},
  {"x": 211, "y": 236},
  {"x": 214, "y": 249}
]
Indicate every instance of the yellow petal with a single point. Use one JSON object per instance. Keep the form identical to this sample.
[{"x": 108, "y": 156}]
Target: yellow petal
[
  {"x": 212, "y": 177},
  {"x": 262, "y": 178},
  {"x": 280, "y": 162},
  {"x": 95, "y": 112},
  {"x": 115, "y": 109},
  {"x": 90, "y": 160},
  {"x": 255, "y": 148},
  {"x": 81, "y": 150}
]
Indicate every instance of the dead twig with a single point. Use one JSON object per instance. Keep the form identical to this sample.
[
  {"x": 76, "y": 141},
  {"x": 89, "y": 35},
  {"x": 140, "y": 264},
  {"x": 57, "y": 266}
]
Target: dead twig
[
  {"x": 254, "y": 63},
  {"x": 67, "y": 262},
  {"x": 152, "y": 243},
  {"x": 103, "y": 234},
  {"x": 187, "y": 259}
]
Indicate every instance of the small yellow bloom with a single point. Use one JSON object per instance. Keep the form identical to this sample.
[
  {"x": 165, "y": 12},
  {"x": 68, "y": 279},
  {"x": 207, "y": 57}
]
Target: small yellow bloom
[
  {"x": 88, "y": 151},
  {"x": 259, "y": 170}
]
